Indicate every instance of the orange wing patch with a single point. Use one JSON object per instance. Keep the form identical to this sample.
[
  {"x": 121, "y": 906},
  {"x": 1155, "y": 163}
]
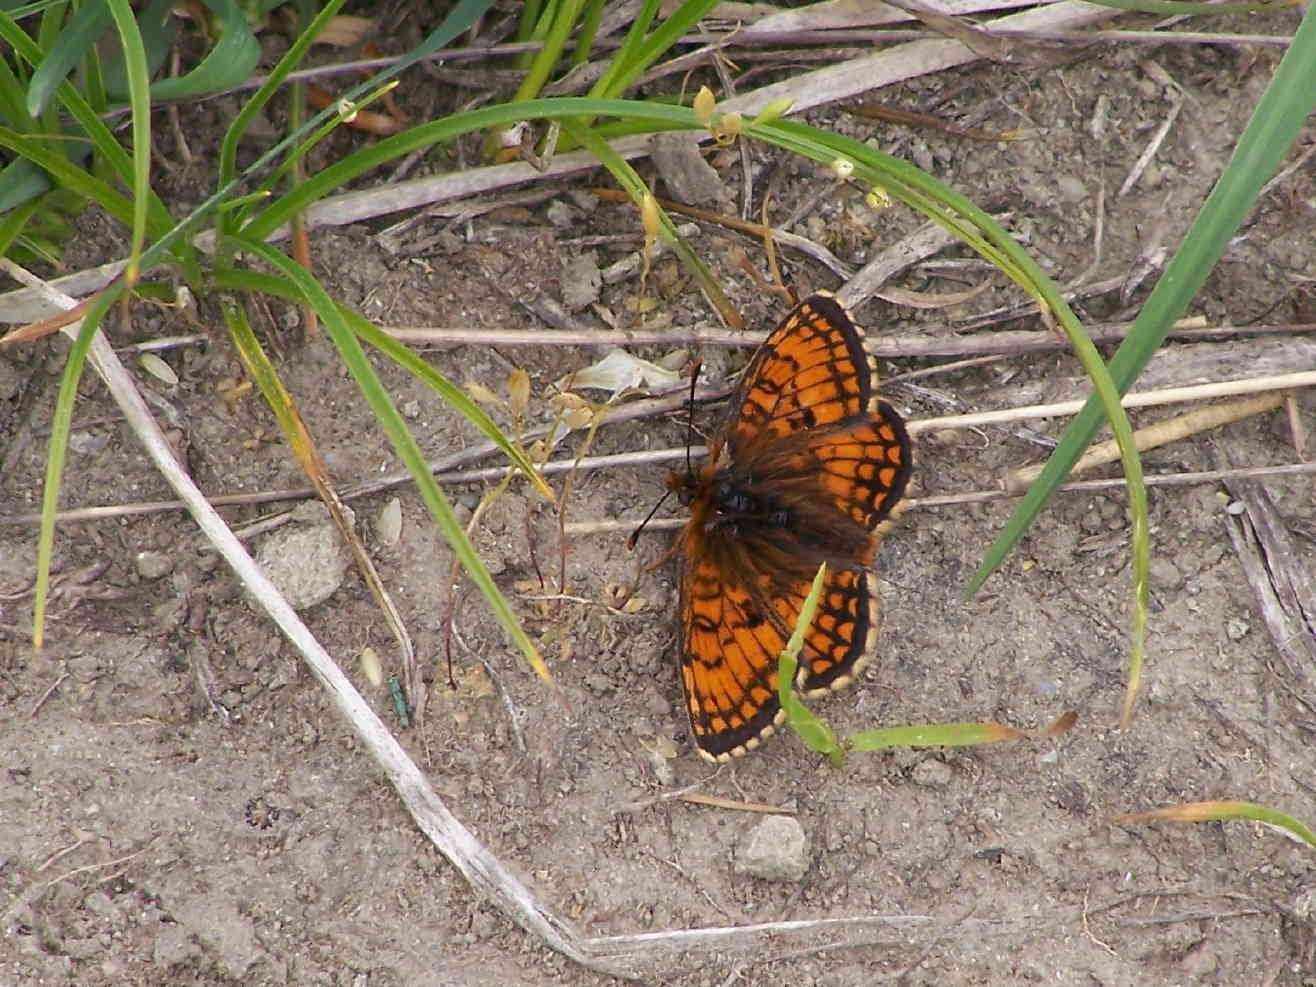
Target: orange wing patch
[
  {"x": 844, "y": 631},
  {"x": 809, "y": 467},
  {"x": 865, "y": 468},
  {"x": 729, "y": 652},
  {"x": 812, "y": 370}
]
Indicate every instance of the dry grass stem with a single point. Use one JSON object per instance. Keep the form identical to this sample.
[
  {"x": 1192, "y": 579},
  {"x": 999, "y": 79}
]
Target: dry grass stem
[
  {"x": 1162, "y": 433},
  {"x": 1139, "y": 399}
]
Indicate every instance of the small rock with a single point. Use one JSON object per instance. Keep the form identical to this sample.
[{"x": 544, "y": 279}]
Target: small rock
[
  {"x": 1236, "y": 629},
  {"x": 932, "y": 774},
  {"x": 581, "y": 281},
  {"x": 774, "y": 850},
  {"x": 151, "y": 565},
  {"x": 1165, "y": 574},
  {"x": 307, "y": 564},
  {"x": 81, "y": 949},
  {"x": 562, "y": 214},
  {"x": 173, "y": 946},
  {"x": 84, "y": 668},
  {"x": 10, "y": 380},
  {"x": 680, "y": 163},
  {"x": 1200, "y": 962},
  {"x": 1304, "y": 906},
  {"x": 389, "y": 525}
]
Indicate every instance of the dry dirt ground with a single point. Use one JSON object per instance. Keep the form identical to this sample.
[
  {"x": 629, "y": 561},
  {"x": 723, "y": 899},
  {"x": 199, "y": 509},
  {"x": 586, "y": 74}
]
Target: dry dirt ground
[{"x": 180, "y": 804}]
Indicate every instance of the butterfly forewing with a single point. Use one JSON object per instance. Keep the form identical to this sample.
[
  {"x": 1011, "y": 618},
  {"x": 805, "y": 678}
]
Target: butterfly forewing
[
  {"x": 812, "y": 370},
  {"x": 729, "y": 650}
]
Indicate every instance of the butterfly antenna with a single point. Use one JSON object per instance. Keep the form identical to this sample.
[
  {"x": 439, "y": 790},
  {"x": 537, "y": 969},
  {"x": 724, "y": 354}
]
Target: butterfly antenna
[{"x": 635, "y": 535}]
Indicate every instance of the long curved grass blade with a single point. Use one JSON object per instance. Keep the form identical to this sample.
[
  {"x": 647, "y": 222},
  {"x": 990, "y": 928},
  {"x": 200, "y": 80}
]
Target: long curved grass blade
[
  {"x": 230, "y": 62},
  {"x": 302, "y": 443},
  {"x": 954, "y": 734},
  {"x": 458, "y": 20},
  {"x": 638, "y": 52},
  {"x": 13, "y": 108},
  {"x": 134, "y": 62},
  {"x": 60, "y": 424},
  {"x": 76, "y": 180},
  {"x": 452, "y": 395},
  {"x": 1218, "y": 811},
  {"x": 106, "y": 146},
  {"x": 376, "y": 395},
  {"x": 228, "y": 151}
]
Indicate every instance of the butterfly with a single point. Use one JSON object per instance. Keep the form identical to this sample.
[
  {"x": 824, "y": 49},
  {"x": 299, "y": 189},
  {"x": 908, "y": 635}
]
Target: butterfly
[{"x": 807, "y": 468}]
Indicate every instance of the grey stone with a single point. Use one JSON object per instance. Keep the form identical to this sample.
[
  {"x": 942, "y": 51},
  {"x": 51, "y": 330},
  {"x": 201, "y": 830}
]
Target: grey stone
[{"x": 777, "y": 849}]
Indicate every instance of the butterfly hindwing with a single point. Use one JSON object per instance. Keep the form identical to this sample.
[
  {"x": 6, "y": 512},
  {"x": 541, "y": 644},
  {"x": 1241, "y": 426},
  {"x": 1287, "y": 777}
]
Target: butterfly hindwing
[
  {"x": 864, "y": 467},
  {"x": 841, "y": 639}
]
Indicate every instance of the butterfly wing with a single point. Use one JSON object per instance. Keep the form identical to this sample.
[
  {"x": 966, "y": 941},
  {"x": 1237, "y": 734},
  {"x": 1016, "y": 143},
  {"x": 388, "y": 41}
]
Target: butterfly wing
[
  {"x": 811, "y": 371},
  {"x": 729, "y": 649},
  {"x": 862, "y": 466},
  {"x": 735, "y": 625},
  {"x": 843, "y": 636}
]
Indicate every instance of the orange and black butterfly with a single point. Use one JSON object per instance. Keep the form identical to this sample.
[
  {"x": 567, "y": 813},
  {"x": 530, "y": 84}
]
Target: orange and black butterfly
[{"x": 807, "y": 468}]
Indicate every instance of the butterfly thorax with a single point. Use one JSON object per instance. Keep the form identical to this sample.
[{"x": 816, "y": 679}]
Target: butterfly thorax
[{"x": 765, "y": 505}]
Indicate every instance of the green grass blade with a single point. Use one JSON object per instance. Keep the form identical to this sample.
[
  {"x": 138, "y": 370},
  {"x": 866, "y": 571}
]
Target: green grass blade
[
  {"x": 565, "y": 15},
  {"x": 450, "y": 393},
  {"x": 624, "y": 71},
  {"x": 13, "y": 108},
  {"x": 341, "y": 172},
  {"x": 227, "y": 64},
  {"x": 630, "y": 46},
  {"x": 77, "y": 37},
  {"x": 158, "y": 26},
  {"x": 812, "y": 731},
  {"x": 934, "y": 735},
  {"x": 1220, "y": 811},
  {"x": 139, "y": 86},
  {"x": 68, "y": 175},
  {"x": 228, "y": 151},
  {"x": 12, "y": 224},
  {"x": 376, "y": 395},
  {"x": 57, "y": 453}
]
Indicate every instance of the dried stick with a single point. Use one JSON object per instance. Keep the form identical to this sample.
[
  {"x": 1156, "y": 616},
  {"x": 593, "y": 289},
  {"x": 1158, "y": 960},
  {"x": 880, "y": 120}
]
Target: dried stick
[{"x": 1162, "y": 433}]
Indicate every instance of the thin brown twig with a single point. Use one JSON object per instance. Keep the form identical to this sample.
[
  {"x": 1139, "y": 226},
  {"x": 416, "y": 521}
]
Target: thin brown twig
[{"x": 63, "y": 674}]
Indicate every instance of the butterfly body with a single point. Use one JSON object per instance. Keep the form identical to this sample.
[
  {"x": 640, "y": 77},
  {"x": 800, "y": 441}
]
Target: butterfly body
[{"x": 806, "y": 469}]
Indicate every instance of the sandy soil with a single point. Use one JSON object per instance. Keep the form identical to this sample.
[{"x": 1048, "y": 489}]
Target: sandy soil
[{"x": 180, "y": 804}]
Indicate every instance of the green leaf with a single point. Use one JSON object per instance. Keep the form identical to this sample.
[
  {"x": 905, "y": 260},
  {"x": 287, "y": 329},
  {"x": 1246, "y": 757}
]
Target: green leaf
[
  {"x": 813, "y": 732},
  {"x": 226, "y": 65},
  {"x": 79, "y": 35}
]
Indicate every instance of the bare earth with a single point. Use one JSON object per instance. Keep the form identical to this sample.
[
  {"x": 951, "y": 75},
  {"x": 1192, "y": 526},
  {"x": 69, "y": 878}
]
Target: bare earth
[{"x": 180, "y": 804}]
